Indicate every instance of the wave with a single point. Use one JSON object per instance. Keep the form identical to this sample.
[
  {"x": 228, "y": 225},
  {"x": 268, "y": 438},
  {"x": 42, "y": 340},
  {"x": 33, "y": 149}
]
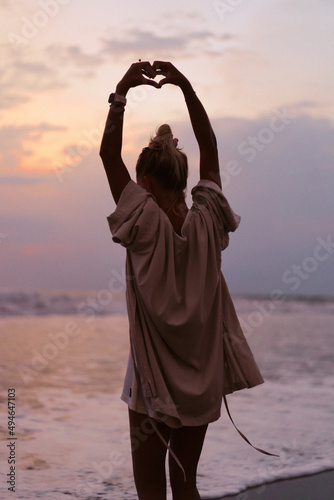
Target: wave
[
  {"x": 283, "y": 304},
  {"x": 103, "y": 302},
  {"x": 60, "y": 302}
]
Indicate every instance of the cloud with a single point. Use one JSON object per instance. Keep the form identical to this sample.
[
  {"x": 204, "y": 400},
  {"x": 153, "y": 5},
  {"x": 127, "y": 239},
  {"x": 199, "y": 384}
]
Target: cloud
[
  {"x": 58, "y": 65},
  {"x": 9, "y": 100},
  {"x": 25, "y": 74},
  {"x": 21, "y": 77},
  {"x": 26, "y": 180},
  {"x": 12, "y": 139},
  {"x": 34, "y": 76},
  {"x": 138, "y": 41},
  {"x": 74, "y": 60}
]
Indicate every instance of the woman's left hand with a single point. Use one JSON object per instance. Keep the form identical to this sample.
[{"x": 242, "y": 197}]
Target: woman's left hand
[{"x": 136, "y": 75}]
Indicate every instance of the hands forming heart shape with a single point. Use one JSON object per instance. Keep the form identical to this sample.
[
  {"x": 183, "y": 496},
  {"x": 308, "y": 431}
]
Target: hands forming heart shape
[{"x": 144, "y": 73}]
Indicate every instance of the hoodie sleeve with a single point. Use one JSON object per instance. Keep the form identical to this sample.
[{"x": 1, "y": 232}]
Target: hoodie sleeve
[
  {"x": 134, "y": 224},
  {"x": 207, "y": 195}
]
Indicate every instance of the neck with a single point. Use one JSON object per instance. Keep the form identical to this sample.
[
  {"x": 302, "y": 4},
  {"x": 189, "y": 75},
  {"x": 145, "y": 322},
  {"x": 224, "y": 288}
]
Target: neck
[{"x": 171, "y": 202}]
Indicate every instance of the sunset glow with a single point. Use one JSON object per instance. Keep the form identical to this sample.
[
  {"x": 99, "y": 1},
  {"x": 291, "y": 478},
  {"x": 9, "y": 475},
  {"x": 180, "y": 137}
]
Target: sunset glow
[{"x": 248, "y": 62}]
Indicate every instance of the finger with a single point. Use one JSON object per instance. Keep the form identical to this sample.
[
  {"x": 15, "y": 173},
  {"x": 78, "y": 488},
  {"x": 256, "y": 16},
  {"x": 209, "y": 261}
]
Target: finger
[
  {"x": 159, "y": 64},
  {"x": 161, "y": 67},
  {"x": 145, "y": 73},
  {"x": 153, "y": 83},
  {"x": 162, "y": 82},
  {"x": 143, "y": 63},
  {"x": 149, "y": 70},
  {"x": 146, "y": 68}
]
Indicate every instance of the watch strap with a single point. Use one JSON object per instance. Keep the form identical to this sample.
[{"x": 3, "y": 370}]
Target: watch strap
[{"x": 116, "y": 98}]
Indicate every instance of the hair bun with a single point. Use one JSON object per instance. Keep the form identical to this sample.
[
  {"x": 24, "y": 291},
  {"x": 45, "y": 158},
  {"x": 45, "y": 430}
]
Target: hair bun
[
  {"x": 163, "y": 139},
  {"x": 163, "y": 160}
]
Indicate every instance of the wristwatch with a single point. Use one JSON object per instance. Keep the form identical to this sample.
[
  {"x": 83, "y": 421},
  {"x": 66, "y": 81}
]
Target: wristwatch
[{"x": 116, "y": 97}]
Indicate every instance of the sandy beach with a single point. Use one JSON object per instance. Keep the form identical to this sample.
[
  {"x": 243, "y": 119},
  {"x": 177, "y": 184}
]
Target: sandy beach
[{"x": 72, "y": 430}]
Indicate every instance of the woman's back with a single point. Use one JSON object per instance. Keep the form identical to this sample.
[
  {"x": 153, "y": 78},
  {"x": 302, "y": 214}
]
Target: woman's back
[{"x": 177, "y": 217}]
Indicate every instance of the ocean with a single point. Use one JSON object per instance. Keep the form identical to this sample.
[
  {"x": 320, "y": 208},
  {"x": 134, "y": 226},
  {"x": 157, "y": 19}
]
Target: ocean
[{"x": 64, "y": 353}]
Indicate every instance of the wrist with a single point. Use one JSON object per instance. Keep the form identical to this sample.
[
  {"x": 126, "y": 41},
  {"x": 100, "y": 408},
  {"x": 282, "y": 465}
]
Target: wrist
[
  {"x": 121, "y": 89},
  {"x": 187, "y": 88}
]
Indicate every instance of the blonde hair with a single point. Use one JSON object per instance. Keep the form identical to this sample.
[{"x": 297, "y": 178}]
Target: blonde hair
[{"x": 163, "y": 160}]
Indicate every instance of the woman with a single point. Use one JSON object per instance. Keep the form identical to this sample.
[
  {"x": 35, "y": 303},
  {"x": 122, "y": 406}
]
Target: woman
[{"x": 187, "y": 347}]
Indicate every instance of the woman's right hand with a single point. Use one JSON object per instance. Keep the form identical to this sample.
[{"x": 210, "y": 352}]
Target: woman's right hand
[{"x": 171, "y": 74}]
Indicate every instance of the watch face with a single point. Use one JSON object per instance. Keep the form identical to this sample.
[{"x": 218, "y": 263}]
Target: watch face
[{"x": 111, "y": 98}]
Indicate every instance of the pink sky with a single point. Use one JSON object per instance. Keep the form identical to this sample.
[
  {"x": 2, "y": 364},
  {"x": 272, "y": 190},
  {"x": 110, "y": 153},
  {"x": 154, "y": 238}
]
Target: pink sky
[{"x": 263, "y": 71}]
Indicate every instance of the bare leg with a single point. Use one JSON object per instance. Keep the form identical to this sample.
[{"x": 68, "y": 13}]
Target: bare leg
[
  {"x": 186, "y": 443},
  {"x": 148, "y": 456}
]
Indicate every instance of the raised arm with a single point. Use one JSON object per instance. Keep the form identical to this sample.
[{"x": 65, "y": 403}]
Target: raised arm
[
  {"x": 111, "y": 145},
  {"x": 209, "y": 163}
]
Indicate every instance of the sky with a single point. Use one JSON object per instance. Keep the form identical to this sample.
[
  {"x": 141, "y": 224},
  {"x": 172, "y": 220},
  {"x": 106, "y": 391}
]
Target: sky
[{"x": 264, "y": 72}]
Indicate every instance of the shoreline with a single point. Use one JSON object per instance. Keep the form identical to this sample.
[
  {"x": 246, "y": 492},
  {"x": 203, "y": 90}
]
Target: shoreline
[{"x": 317, "y": 486}]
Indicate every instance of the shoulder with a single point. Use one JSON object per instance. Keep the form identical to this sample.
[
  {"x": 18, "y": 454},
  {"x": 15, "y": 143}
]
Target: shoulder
[
  {"x": 132, "y": 194},
  {"x": 136, "y": 220},
  {"x": 208, "y": 196},
  {"x": 206, "y": 183},
  {"x": 205, "y": 192},
  {"x": 132, "y": 197}
]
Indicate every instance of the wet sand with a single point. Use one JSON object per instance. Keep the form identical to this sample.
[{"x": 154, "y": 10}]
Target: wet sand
[{"x": 315, "y": 487}]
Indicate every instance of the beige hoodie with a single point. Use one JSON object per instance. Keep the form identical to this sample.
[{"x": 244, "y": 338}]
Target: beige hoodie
[{"x": 187, "y": 346}]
